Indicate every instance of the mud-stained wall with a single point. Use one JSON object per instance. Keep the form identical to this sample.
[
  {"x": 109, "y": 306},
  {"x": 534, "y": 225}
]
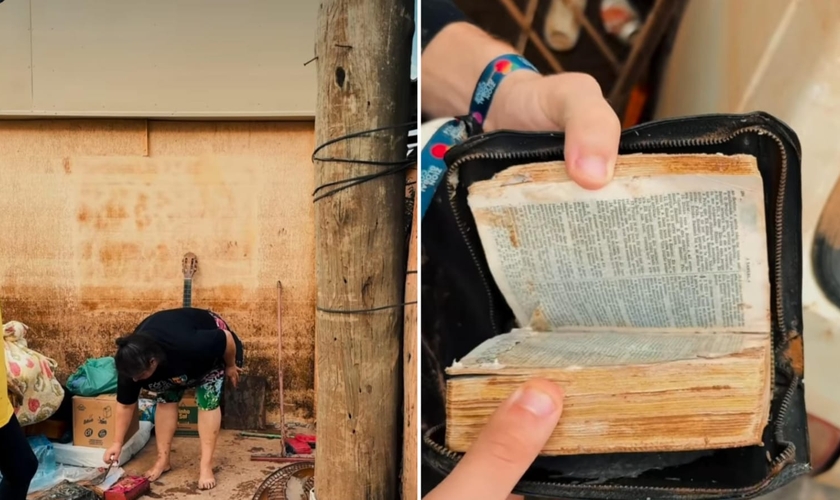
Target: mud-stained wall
[{"x": 96, "y": 216}]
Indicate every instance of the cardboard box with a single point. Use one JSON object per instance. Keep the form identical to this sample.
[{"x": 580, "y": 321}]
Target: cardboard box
[
  {"x": 187, "y": 416},
  {"x": 94, "y": 421}
]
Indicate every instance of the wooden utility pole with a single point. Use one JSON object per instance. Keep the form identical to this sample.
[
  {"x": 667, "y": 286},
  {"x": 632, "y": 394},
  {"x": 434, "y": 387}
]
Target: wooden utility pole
[
  {"x": 410, "y": 428},
  {"x": 363, "y": 50}
]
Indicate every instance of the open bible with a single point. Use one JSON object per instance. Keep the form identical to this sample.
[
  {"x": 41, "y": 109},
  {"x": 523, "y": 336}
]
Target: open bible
[{"x": 648, "y": 301}]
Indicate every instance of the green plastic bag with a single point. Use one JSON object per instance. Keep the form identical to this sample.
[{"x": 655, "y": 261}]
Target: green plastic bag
[{"x": 96, "y": 376}]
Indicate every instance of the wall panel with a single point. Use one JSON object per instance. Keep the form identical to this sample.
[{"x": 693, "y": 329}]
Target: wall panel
[
  {"x": 157, "y": 58},
  {"x": 15, "y": 56}
]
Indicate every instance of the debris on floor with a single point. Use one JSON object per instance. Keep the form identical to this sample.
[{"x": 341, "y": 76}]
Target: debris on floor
[
  {"x": 297, "y": 446},
  {"x": 128, "y": 488},
  {"x": 292, "y": 481},
  {"x": 67, "y": 492}
]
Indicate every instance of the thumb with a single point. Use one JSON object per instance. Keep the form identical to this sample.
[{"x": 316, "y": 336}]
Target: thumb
[
  {"x": 507, "y": 445},
  {"x": 575, "y": 103}
]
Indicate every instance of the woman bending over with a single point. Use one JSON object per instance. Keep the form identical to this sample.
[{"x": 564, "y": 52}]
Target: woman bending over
[{"x": 168, "y": 353}]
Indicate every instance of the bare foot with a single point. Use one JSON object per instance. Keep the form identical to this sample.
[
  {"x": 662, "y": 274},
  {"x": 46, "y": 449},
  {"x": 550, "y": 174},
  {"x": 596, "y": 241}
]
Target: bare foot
[
  {"x": 206, "y": 478},
  {"x": 159, "y": 468}
]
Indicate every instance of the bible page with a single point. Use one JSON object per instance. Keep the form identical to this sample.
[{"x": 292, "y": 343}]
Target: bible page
[
  {"x": 656, "y": 252},
  {"x": 524, "y": 349}
]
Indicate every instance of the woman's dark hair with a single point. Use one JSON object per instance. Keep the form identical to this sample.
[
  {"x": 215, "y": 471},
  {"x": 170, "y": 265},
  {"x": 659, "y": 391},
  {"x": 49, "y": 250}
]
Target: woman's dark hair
[{"x": 135, "y": 354}]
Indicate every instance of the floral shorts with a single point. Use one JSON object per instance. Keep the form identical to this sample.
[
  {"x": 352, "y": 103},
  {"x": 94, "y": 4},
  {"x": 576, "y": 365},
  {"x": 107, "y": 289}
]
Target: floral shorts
[{"x": 208, "y": 387}]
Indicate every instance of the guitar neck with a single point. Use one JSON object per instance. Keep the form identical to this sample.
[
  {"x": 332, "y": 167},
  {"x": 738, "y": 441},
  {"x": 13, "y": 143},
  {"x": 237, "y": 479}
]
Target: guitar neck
[{"x": 188, "y": 292}]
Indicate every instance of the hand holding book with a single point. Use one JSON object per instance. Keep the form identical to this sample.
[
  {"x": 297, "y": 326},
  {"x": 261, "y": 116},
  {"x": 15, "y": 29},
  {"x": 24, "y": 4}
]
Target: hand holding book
[
  {"x": 506, "y": 447},
  {"x": 648, "y": 301},
  {"x": 571, "y": 102}
]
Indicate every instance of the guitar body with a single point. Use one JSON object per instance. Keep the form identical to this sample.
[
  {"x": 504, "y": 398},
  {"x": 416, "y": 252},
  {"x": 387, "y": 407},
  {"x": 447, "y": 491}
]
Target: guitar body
[{"x": 189, "y": 266}]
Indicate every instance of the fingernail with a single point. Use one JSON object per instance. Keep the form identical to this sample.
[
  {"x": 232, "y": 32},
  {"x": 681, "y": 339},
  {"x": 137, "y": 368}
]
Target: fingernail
[
  {"x": 535, "y": 401},
  {"x": 592, "y": 167}
]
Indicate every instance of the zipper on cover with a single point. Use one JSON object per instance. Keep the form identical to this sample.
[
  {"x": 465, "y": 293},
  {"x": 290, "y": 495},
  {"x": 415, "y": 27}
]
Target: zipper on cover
[
  {"x": 788, "y": 453},
  {"x": 451, "y": 186}
]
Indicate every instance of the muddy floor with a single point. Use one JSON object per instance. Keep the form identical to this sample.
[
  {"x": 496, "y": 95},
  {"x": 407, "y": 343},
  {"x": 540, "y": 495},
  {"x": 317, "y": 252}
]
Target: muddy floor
[{"x": 237, "y": 476}]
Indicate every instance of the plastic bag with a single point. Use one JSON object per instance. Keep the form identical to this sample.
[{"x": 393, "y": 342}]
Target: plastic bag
[
  {"x": 33, "y": 388},
  {"x": 62, "y": 474},
  {"x": 83, "y": 456},
  {"x": 47, "y": 466},
  {"x": 147, "y": 409},
  {"x": 95, "y": 377},
  {"x": 49, "y": 473}
]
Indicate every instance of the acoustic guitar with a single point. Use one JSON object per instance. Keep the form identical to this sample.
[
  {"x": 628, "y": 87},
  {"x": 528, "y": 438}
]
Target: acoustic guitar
[{"x": 189, "y": 266}]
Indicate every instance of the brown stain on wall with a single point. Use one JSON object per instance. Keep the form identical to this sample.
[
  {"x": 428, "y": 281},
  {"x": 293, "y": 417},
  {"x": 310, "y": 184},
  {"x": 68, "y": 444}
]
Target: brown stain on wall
[{"x": 100, "y": 214}]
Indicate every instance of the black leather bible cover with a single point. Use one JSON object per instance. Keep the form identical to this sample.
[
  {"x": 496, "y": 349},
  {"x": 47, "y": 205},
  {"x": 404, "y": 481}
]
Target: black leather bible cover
[{"x": 463, "y": 307}]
